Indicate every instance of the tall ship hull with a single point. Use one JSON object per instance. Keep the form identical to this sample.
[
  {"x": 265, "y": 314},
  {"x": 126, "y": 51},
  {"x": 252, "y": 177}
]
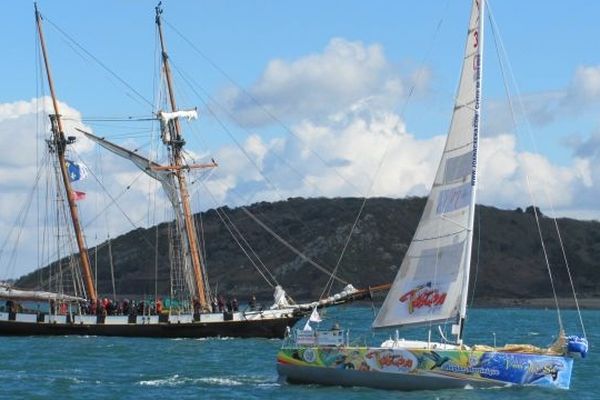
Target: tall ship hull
[{"x": 181, "y": 326}]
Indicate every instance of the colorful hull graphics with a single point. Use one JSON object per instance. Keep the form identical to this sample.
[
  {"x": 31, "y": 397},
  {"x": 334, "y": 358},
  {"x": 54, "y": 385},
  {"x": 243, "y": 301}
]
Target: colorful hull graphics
[{"x": 479, "y": 368}]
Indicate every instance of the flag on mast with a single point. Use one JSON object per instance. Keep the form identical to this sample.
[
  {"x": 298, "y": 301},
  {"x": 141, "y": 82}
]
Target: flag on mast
[
  {"x": 75, "y": 195},
  {"x": 76, "y": 170}
]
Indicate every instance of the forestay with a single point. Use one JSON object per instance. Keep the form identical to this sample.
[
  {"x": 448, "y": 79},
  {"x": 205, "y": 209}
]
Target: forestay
[{"x": 431, "y": 285}]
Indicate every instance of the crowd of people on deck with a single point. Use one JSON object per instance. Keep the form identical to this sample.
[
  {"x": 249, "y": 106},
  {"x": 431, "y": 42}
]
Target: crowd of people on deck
[{"x": 107, "y": 306}]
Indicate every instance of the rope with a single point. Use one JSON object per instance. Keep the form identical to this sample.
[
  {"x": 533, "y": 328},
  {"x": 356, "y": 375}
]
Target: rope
[
  {"x": 289, "y": 246},
  {"x": 532, "y": 139},
  {"x": 539, "y": 228},
  {"x": 241, "y": 148},
  {"x": 100, "y": 63},
  {"x": 286, "y": 129},
  {"x": 384, "y": 155},
  {"x": 475, "y": 278}
]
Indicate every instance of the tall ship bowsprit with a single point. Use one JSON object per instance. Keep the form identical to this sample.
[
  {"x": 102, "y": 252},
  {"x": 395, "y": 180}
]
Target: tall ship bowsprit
[{"x": 78, "y": 312}]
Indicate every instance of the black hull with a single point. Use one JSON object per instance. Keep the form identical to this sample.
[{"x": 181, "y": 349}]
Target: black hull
[{"x": 261, "y": 328}]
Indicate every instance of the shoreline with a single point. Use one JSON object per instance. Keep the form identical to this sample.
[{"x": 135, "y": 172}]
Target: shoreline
[{"x": 586, "y": 303}]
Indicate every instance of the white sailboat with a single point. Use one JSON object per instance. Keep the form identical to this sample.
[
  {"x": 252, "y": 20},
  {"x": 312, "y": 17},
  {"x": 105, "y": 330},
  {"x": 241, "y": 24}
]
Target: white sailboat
[{"x": 431, "y": 287}]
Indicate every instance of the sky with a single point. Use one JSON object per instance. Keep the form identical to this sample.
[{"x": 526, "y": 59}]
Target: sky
[{"x": 303, "y": 99}]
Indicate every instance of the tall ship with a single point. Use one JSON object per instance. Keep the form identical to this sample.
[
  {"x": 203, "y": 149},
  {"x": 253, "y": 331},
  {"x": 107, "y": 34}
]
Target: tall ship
[{"x": 83, "y": 312}]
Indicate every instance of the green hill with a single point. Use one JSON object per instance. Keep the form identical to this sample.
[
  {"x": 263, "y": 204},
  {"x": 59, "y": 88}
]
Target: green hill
[{"x": 511, "y": 263}]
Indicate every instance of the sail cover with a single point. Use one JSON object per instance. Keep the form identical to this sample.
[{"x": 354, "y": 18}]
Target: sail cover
[
  {"x": 7, "y": 292},
  {"x": 149, "y": 167},
  {"x": 432, "y": 281}
]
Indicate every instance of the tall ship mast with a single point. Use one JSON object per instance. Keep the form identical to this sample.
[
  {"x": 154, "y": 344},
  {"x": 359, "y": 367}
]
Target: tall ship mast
[
  {"x": 59, "y": 145},
  {"x": 175, "y": 142}
]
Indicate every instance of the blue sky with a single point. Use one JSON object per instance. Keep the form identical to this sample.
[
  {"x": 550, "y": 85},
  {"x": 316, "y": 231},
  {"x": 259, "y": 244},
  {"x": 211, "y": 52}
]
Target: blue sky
[
  {"x": 336, "y": 75},
  {"x": 546, "y": 42}
]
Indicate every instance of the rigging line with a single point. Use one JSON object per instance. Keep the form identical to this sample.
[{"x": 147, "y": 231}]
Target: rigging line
[
  {"x": 286, "y": 129},
  {"x": 115, "y": 119},
  {"x": 289, "y": 246},
  {"x": 191, "y": 82},
  {"x": 112, "y": 268},
  {"x": 19, "y": 222},
  {"x": 242, "y": 237},
  {"x": 242, "y": 248},
  {"x": 548, "y": 198},
  {"x": 263, "y": 216},
  {"x": 39, "y": 82},
  {"x": 99, "y": 62},
  {"x": 202, "y": 250},
  {"x": 114, "y": 201},
  {"x": 241, "y": 148},
  {"x": 251, "y": 248},
  {"x": 386, "y": 149},
  {"x": 537, "y": 222},
  {"x": 564, "y": 254},
  {"x": 513, "y": 119},
  {"x": 478, "y": 210}
]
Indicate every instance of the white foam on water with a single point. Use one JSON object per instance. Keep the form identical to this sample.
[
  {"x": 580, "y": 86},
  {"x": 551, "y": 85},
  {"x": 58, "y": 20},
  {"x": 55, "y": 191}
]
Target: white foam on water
[
  {"x": 215, "y": 338},
  {"x": 221, "y": 381},
  {"x": 176, "y": 380},
  {"x": 171, "y": 381},
  {"x": 268, "y": 385}
]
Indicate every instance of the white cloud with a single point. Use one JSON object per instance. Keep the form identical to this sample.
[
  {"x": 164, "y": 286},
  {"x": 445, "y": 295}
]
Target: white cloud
[
  {"x": 510, "y": 178},
  {"x": 320, "y": 84},
  {"x": 340, "y": 104},
  {"x": 585, "y": 85},
  {"x": 580, "y": 96},
  {"x": 25, "y": 125},
  {"x": 352, "y": 146}
]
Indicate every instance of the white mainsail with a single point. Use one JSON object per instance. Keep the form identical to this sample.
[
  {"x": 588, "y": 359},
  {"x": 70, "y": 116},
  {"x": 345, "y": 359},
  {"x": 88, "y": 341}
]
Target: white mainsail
[{"x": 432, "y": 283}]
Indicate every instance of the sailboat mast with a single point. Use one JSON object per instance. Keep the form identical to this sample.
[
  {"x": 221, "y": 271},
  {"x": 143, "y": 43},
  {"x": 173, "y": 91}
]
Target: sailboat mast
[
  {"x": 178, "y": 164},
  {"x": 478, "y": 67},
  {"x": 60, "y": 145}
]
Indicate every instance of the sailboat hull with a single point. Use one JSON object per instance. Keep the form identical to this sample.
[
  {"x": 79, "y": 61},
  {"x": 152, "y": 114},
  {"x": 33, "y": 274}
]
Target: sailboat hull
[
  {"x": 261, "y": 328},
  {"x": 418, "y": 369}
]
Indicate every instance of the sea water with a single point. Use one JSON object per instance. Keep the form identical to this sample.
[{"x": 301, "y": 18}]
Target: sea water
[{"x": 74, "y": 367}]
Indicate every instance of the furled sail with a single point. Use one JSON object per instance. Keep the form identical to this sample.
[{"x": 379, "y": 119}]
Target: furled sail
[
  {"x": 7, "y": 292},
  {"x": 431, "y": 285},
  {"x": 166, "y": 118},
  {"x": 151, "y": 168},
  {"x": 166, "y": 178}
]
